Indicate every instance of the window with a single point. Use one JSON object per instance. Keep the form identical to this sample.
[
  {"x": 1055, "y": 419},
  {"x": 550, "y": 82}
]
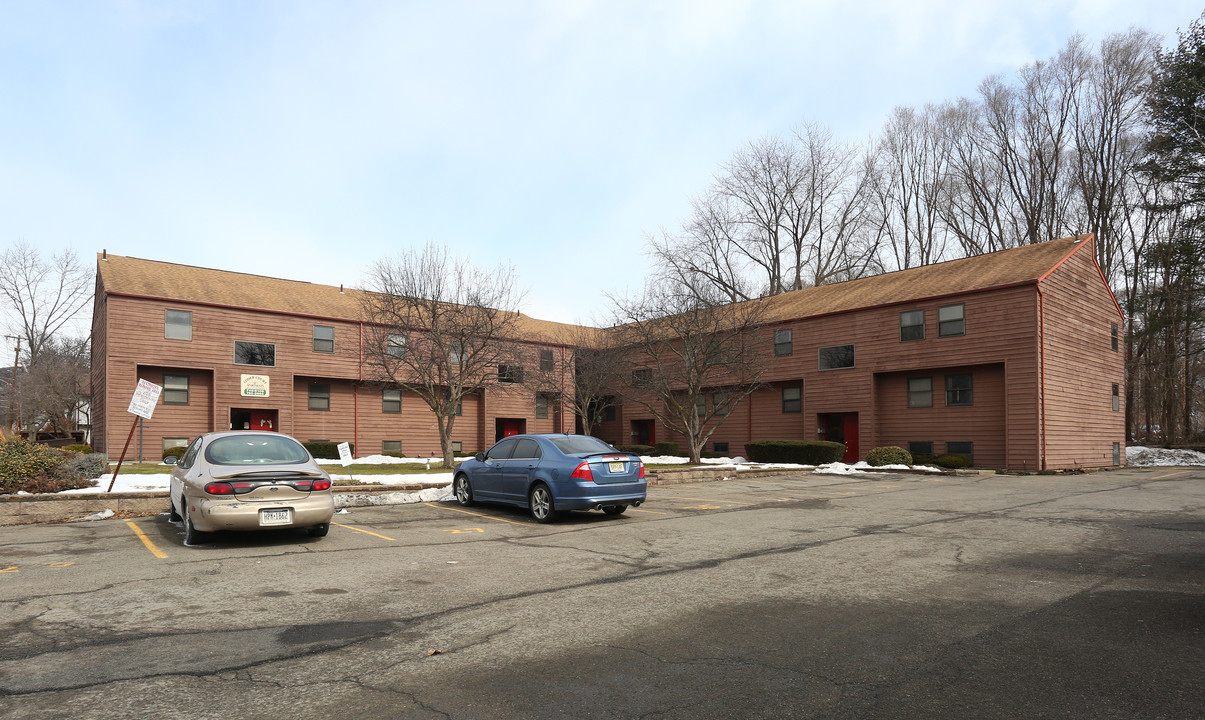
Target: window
[
  {"x": 324, "y": 339},
  {"x": 720, "y": 448},
  {"x": 912, "y": 325},
  {"x": 701, "y": 405},
  {"x": 391, "y": 446},
  {"x": 527, "y": 449},
  {"x": 609, "y": 413},
  {"x": 920, "y": 447},
  {"x": 836, "y": 357},
  {"x": 1116, "y": 340},
  {"x": 177, "y": 325},
  {"x": 920, "y": 392},
  {"x": 1116, "y": 453},
  {"x": 641, "y": 377},
  {"x": 169, "y": 443},
  {"x": 190, "y": 456},
  {"x": 545, "y": 361},
  {"x": 253, "y": 353},
  {"x": 965, "y": 449},
  {"x": 175, "y": 390},
  {"x": 783, "y": 344},
  {"x": 720, "y": 402},
  {"x": 457, "y": 446},
  {"x": 456, "y": 355},
  {"x": 541, "y": 405},
  {"x": 510, "y": 373},
  {"x": 958, "y": 389},
  {"x": 391, "y": 400},
  {"x": 1116, "y": 397},
  {"x": 792, "y": 399},
  {"x": 395, "y": 345},
  {"x": 459, "y": 406},
  {"x": 320, "y": 396},
  {"x": 950, "y": 321}
]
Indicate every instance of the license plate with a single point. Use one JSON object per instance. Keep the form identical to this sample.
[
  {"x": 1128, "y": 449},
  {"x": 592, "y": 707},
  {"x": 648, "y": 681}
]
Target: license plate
[
  {"x": 275, "y": 517},
  {"x": 615, "y": 466}
]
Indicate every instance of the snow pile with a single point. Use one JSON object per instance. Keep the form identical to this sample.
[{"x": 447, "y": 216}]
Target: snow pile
[
  {"x": 125, "y": 484},
  {"x": 863, "y": 468},
  {"x": 1162, "y": 457},
  {"x": 102, "y": 515}
]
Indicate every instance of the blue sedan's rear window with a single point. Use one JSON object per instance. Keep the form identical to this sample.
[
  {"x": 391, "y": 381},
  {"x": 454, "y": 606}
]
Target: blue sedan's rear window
[
  {"x": 573, "y": 444},
  {"x": 256, "y": 450}
]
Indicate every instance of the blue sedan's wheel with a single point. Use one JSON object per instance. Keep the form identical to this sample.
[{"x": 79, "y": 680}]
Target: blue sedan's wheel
[
  {"x": 463, "y": 490},
  {"x": 540, "y": 501}
]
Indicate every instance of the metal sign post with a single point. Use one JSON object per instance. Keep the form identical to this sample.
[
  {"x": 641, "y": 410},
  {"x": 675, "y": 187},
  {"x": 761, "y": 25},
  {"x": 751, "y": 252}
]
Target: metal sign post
[{"x": 142, "y": 405}]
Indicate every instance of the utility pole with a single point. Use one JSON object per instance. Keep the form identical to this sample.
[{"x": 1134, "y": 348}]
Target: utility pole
[{"x": 12, "y": 386}]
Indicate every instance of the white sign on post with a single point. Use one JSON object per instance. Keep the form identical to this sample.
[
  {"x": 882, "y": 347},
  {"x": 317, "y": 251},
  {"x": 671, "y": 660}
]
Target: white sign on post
[
  {"x": 146, "y": 395},
  {"x": 345, "y": 454}
]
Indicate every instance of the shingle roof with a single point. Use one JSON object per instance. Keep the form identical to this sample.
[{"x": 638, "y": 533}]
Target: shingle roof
[
  {"x": 1016, "y": 266},
  {"x": 184, "y": 283}
]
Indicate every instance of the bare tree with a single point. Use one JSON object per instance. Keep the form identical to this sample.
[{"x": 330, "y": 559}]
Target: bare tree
[
  {"x": 53, "y": 386},
  {"x": 43, "y": 294},
  {"x": 442, "y": 329},
  {"x": 691, "y": 361}
]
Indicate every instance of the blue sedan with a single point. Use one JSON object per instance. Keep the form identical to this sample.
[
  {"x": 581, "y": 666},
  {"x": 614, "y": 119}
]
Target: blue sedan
[{"x": 552, "y": 473}]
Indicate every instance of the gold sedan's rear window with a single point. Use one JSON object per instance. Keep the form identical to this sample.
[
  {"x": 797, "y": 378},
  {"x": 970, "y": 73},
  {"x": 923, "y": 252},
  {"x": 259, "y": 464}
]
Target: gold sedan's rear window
[{"x": 256, "y": 450}]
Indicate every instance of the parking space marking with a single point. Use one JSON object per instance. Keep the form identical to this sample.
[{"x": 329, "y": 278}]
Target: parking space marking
[
  {"x": 146, "y": 541},
  {"x": 651, "y": 512},
  {"x": 366, "y": 532},
  {"x": 1182, "y": 472},
  {"x": 60, "y": 565},
  {"x": 466, "y": 530},
  {"x": 10, "y": 568},
  {"x": 466, "y": 512}
]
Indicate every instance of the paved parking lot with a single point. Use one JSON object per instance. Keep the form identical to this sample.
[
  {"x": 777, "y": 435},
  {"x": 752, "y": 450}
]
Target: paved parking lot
[{"x": 898, "y": 596}]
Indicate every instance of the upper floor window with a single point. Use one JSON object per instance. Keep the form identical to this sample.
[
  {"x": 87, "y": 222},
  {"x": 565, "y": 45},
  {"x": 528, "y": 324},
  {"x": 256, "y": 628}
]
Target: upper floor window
[
  {"x": 395, "y": 345},
  {"x": 783, "y": 344},
  {"x": 912, "y": 325},
  {"x": 541, "y": 405},
  {"x": 836, "y": 357},
  {"x": 177, "y": 325},
  {"x": 253, "y": 353},
  {"x": 958, "y": 389},
  {"x": 642, "y": 377},
  {"x": 456, "y": 354},
  {"x": 721, "y": 402},
  {"x": 320, "y": 396},
  {"x": 546, "y": 361},
  {"x": 391, "y": 400},
  {"x": 510, "y": 373},
  {"x": 920, "y": 392},
  {"x": 1116, "y": 397},
  {"x": 1116, "y": 339},
  {"x": 950, "y": 321},
  {"x": 792, "y": 399},
  {"x": 324, "y": 339},
  {"x": 175, "y": 390},
  {"x": 701, "y": 405}
]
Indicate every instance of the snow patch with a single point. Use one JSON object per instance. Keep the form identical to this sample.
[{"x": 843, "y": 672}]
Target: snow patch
[
  {"x": 102, "y": 515},
  {"x": 440, "y": 494},
  {"x": 1162, "y": 457}
]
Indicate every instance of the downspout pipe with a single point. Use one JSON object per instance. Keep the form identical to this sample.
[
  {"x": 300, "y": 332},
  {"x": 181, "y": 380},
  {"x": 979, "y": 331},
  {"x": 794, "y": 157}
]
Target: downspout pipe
[{"x": 1042, "y": 372}]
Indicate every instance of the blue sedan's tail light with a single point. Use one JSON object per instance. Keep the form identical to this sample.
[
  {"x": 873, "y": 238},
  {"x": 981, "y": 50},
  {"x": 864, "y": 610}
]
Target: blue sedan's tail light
[{"x": 583, "y": 472}]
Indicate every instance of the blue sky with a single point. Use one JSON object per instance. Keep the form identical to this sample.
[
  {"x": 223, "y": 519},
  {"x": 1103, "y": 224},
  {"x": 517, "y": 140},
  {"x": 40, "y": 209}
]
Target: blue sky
[{"x": 308, "y": 139}]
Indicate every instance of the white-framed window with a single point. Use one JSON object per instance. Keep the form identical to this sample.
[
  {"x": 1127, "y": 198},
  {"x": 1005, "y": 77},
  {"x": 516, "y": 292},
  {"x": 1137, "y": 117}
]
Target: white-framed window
[
  {"x": 324, "y": 339},
  {"x": 391, "y": 400},
  {"x": 177, "y": 325}
]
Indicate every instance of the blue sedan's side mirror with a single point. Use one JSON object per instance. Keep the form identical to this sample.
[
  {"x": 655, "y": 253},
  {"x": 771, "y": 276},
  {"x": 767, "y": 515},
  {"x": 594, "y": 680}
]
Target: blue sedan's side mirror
[{"x": 479, "y": 457}]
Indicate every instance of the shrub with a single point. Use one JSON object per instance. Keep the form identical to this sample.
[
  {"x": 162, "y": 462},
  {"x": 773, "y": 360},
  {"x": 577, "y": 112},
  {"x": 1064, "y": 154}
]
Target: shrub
[
  {"x": 952, "y": 461},
  {"x": 667, "y": 448},
  {"x": 22, "y": 461},
  {"x": 635, "y": 449},
  {"x": 80, "y": 467},
  {"x": 78, "y": 449},
  {"x": 803, "y": 452},
  {"x": 326, "y": 450},
  {"x": 176, "y": 452},
  {"x": 922, "y": 459},
  {"x": 889, "y": 455}
]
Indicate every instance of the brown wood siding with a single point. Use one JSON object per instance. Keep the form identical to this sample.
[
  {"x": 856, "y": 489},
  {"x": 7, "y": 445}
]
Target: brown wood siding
[
  {"x": 982, "y": 422},
  {"x": 99, "y": 363},
  {"x": 1081, "y": 366}
]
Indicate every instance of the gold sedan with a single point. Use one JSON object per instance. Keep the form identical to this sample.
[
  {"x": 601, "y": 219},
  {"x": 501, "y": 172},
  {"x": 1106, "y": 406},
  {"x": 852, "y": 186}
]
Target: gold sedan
[{"x": 249, "y": 481}]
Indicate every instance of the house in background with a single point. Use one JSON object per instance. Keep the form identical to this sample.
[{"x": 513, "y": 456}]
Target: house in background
[{"x": 1012, "y": 359}]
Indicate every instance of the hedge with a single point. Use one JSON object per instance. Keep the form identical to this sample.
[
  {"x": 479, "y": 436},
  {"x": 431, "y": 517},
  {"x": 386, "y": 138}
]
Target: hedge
[
  {"x": 952, "y": 461},
  {"x": 888, "y": 455},
  {"x": 635, "y": 449},
  {"x": 327, "y": 450},
  {"x": 78, "y": 449},
  {"x": 803, "y": 452},
  {"x": 667, "y": 448}
]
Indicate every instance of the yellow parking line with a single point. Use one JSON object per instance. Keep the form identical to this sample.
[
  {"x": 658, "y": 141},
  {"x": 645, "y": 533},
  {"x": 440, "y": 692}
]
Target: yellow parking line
[
  {"x": 366, "y": 532},
  {"x": 651, "y": 512},
  {"x": 466, "y": 512},
  {"x": 146, "y": 541},
  {"x": 1182, "y": 472}
]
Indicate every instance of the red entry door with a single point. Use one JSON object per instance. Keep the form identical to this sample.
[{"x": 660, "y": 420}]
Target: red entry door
[
  {"x": 264, "y": 420},
  {"x": 850, "y": 430},
  {"x": 512, "y": 426}
]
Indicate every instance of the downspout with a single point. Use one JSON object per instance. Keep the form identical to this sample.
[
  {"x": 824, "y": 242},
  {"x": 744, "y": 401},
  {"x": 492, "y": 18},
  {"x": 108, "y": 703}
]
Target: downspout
[
  {"x": 356, "y": 392},
  {"x": 1042, "y": 372}
]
